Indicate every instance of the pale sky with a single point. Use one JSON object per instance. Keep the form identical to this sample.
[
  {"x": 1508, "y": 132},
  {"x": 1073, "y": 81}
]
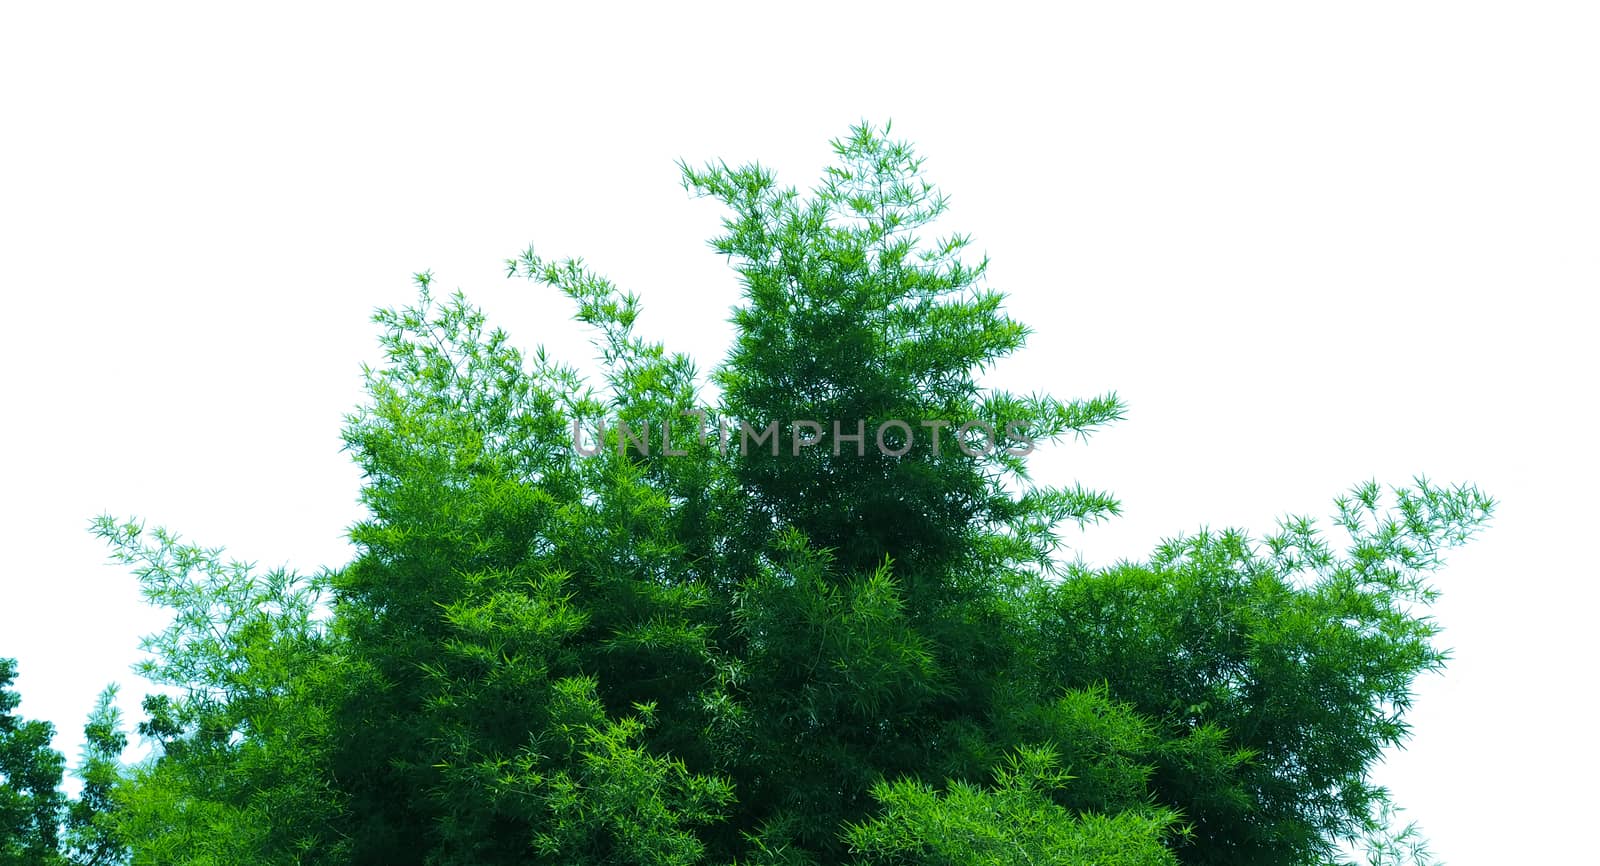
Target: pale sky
[{"x": 1309, "y": 247}]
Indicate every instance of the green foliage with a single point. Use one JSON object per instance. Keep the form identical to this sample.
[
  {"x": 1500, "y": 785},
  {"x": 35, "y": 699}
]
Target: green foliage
[
  {"x": 1015, "y": 824},
  {"x": 772, "y": 657},
  {"x": 1303, "y": 656},
  {"x": 91, "y": 823},
  {"x": 852, "y": 314},
  {"x": 30, "y": 779},
  {"x": 239, "y": 774}
]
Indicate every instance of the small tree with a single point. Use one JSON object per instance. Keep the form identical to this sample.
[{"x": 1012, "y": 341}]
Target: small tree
[
  {"x": 30, "y": 779},
  {"x": 91, "y": 832}
]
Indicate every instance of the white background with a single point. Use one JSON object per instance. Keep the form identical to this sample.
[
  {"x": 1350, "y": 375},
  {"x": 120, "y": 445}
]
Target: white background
[{"x": 1308, "y": 247}]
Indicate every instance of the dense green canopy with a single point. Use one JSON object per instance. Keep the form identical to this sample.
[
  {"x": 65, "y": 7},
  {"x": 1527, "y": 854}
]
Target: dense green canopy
[{"x": 862, "y": 652}]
